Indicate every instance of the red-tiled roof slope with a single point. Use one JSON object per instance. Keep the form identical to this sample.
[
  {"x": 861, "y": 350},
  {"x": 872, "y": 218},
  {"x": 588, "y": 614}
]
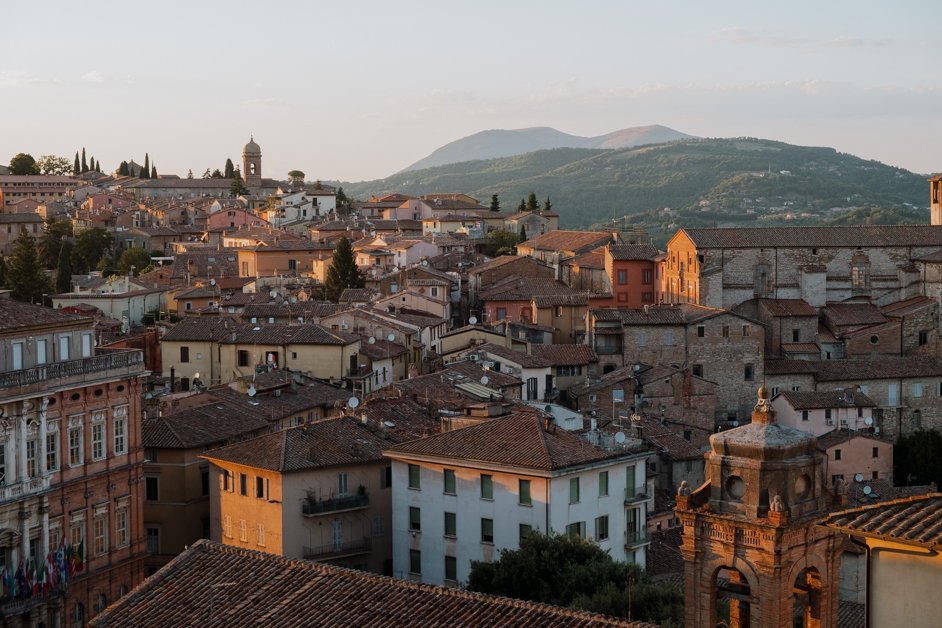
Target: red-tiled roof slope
[
  {"x": 912, "y": 521},
  {"x": 517, "y": 440},
  {"x": 214, "y": 584},
  {"x": 803, "y": 237}
]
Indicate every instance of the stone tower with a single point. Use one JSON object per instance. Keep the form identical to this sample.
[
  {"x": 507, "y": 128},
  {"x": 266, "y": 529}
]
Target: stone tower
[
  {"x": 935, "y": 200},
  {"x": 754, "y": 555},
  {"x": 252, "y": 165}
]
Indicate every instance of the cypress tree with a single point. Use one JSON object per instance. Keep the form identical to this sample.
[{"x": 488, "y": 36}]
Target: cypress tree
[
  {"x": 77, "y": 167},
  {"x": 547, "y": 206},
  {"x": 27, "y": 280},
  {"x": 84, "y": 163},
  {"x": 123, "y": 169},
  {"x": 343, "y": 271},
  {"x": 145, "y": 171},
  {"x": 98, "y": 166},
  {"x": 495, "y": 203},
  {"x": 91, "y": 164},
  {"x": 522, "y": 207},
  {"x": 523, "y": 233},
  {"x": 64, "y": 268},
  {"x": 189, "y": 173},
  {"x": 532, "y": 203},
  {"x": 237, "y": 187},
  {"x": 229, "y": 170},
  {"x": 153, "y": 171}
]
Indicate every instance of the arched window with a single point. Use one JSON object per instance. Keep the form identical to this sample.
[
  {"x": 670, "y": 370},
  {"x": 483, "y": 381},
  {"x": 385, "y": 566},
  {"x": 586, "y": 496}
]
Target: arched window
[
  {"x": 78, "y": 615},
  {"x": 860, "y": 273}
]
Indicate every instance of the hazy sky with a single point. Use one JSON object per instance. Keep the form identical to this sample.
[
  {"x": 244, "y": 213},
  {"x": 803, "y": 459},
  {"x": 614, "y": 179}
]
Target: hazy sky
[{"x": 359, "y": 90}]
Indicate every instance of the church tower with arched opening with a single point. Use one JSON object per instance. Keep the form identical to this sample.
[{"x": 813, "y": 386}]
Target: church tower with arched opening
[
  {"x": 252, "y": 165},
  {"x": 754, "y": 554}
]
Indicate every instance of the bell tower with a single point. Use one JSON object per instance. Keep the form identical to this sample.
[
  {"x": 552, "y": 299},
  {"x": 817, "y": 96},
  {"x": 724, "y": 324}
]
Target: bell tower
[
  {"x": 754, "y": 556},
  {"x": 252, "y": 165}
]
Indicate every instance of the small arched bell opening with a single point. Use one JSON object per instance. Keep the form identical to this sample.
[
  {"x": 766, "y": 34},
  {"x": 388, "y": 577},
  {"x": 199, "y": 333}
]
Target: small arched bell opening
[
  {"x": 807, "y": 601},
  {"x": 732, "y": 596}
]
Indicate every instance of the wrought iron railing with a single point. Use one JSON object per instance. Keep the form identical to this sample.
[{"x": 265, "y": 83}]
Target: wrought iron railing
[
  {"x": 347, "y": 502},
  {"x": 357, "y": 546},
  {"x": 84, "y": 368}
]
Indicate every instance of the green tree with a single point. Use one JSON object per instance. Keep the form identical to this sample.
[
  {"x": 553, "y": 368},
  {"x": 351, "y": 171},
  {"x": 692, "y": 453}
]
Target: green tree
[
  {"x": 25, "y": 275},
  {"x": 153, "y": 171},
  {"x": 53, "y": 165},
  {"x": 318, "y": 185},
  {"x": 23, "y": 163},
  {"x": 3, "y": 272},
  {"x": 523, "y": 233},
  {"x": 84, "y": 161},
  {"x": 237, "y": 187},
  {"x": 64, "y": 268},
  {"x": 145, "y": 171},
  {"x": 76, "y": 167},
  {"x": 229, "y": 169},
  {"x": 216, "y": 174},
  {"x": 547, "y": 206},
  {"x": 522, "y": 207},
  {"x": 343, "y": 271},
  {"x": 500, "y": 242},
  {"x": 296, "y": 177},
  {"x": 135, "y": 256},
  {"x": 91, "y": 247},
  {"x": 189, "y": 173},
  {"x": 55, "y": 231},
  {"x": 98, "y": 166},
  {"x": 572, "y": 572},
  {"x": 917, "y": 458},
  {"x": 342, "y": 200},
  {"x": 532, "y": 203},
  {"x": 124, "y": 170},
  {"x": 207, "y": 174},
  {"x": 495, "y": 203}
]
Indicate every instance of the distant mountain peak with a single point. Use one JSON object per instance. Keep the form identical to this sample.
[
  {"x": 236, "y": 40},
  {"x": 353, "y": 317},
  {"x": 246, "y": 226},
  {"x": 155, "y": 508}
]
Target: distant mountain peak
[{"x": 494, "y": 143}]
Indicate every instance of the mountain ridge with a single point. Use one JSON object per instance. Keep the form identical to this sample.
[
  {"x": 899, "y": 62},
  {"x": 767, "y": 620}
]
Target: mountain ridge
[{"x": 496, "y": 143}]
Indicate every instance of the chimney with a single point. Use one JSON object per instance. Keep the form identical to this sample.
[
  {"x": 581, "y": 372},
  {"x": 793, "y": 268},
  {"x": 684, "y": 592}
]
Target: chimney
[{"x": 849, "y": 395}]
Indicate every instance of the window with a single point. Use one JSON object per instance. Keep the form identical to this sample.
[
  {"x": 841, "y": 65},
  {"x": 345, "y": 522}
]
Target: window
[
  {"x": 378, "y": 526},
  {"x": 31, "y": 470},
  {"x": 576, "y": 530},
  {"x": 243, "y": 531},
  {"x": 243, "y": 484},
  {"x": 184, "y": 354},
  {"x": 876, "y": 452},
  {"x": 725, "y": 331},
  {"x": 227, "y": 526},
  {"x": 98, "y": 441},
  {"x": 525, "y": 530},
  {"x": 152, "y": 488},
  {"x": 449, "y": 481},
  {"x": 837, "y": 454},
  {"x": 487, "y": 487},
  {"x": 796, "y": 335},
  {"x": 668, "y": 338},
  {"x": 487, "y": 530},
  {"x": 917, "y": 390},
  {"x": 153, "y": 538},
  {"x": 891, "y": 393},
  {"x": 603, "y": 483},
  {"x": 451, "y": 524},
  {"x": 204, "y": 482},
  {"x": 260, "y": 534},
  {"x": 559, "y": 311},
  {"x": 745, "y": 331},
  {"x": 697, "y": 370},
  {"x": 63, "y": 348},
  {"x": 76, "y": 446},
  {"x": 501, "y": 313},
  {"x": 827, "y": 417},
  {"x": 642, "y": 339},
  {"x": 414, "y": 477},
  {"x": 120, "y": 428},
  {"x": 228, "y": 481},
  {"x": 121, "y": 527},
  {"x": 804, "y": 415},
  {"x": 385, "y": 477},
  {"x": 415, "y": 519},
  {"x": 259, "y": 487},
  {"x": 415, "y": 562},
  {"x": 748, "y": 372},
  {"x": 52, "y": 451},
  {"x": 701, "y": 331},
  {"x": 243, "y": 357},
  {"x": 451, "y": 569},
  {"x": 601, "y": 528},
  {"x": 100, "y": 529},
  {"x": 646, "y": 277},
  {"x": 688, "y": 434},
  {"x": 524, "y": 491},
  {"x": 622, "y": 277},
  {"x": 573, "y": 490},
  {"x": 923, "y": 338},
  {"x": 41, "y": 357}
]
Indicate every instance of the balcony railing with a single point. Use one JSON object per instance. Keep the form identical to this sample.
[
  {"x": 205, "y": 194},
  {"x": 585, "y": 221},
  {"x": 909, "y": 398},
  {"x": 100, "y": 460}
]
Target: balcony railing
[
  {"x": 336, "y": 550},
  {"x": 76, "y": 370},
  {"x": 636, "y": 494},
  {"x": 634, "y": 538},
  {"x": 26, "y": 487},
  {"x": 349, "y": 502}
]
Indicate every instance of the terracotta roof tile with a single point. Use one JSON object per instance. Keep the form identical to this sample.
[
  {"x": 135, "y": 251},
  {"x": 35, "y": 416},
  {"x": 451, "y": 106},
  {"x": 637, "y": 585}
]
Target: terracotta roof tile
[
  {"x": 817, "y": 399},
  {"x": 802, "y": 237},
  {"x": 16, "y": 315},
  {"x": 210, "y": 583},
  {"x": 788, "y": 307},
  {"x": 911, "y": 521},
  {"x": 560, "y": 240},
  {"x": 847, "y": 314},
  {"x": 631, "y": 252}
]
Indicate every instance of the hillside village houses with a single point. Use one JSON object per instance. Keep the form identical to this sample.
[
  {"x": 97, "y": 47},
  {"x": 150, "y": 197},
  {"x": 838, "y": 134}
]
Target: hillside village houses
[{"x": 457, "y": 400}]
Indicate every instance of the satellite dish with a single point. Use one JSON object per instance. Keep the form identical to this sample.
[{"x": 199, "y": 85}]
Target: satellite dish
[
  {"x": 252, "y": 392},
  {"x": 353, "y": 402},
  {"x": 636, "y": 368},
  {"x": 391, "y": 337},
  {"x": 485, "y": 380},
  {"x": 425, "y": 262},
  {"x": 867, "y": 490},
  {"x": 858, "y": 477},
  {"x": 196, "y": 375},
  {"x": 735, "y": 423},
  {"x": 473, "y": 320},
  {"x": 372, "y": 340},
  {"x": 212, "y": 282},
  {"x": 620, "y": 437},
  {"x": 868, "y": 421},
  {"x": 548, "y": 409}
]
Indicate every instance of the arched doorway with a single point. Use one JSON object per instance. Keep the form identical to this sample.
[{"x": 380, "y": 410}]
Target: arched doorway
[
  {"x": 807, "y": 602},
  {"x": 732, "y": 596}
]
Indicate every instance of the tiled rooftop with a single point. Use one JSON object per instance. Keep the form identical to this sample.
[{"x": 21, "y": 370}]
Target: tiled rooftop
[
  {"x": 910, "y": 521},
  {"x": 561, "y": 240},
  {"x": 817, "y": 399},
  {"x": 631, "y": 252},
  {"x": 15, "y": 315},
  {"x": 802, "y": 237}
]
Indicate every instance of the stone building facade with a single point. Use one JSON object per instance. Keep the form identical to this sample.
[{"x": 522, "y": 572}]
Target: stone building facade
[{"x": 751, "y": 533}]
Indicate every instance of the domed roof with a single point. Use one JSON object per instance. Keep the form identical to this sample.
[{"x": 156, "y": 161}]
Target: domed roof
[{"x": 251, "y": 147}]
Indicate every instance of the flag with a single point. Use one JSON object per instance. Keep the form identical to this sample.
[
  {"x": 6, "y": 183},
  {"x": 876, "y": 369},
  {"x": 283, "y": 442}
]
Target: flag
[
  {"x": 80, "y": 557},
  {"x": 22, "y": 589},
  {"x": 3, "y": 582}
]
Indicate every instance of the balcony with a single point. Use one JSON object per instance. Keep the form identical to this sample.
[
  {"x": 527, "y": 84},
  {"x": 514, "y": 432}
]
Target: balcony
[
  {"x": 314, "y": 508},
  {"x": 110, "y": 364},
  {"x": 25, "y": 488},
  {"x": 338, "y": 550},
  {"x": 634, "y": 538},
  {"x": 636, "y": 494}
]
